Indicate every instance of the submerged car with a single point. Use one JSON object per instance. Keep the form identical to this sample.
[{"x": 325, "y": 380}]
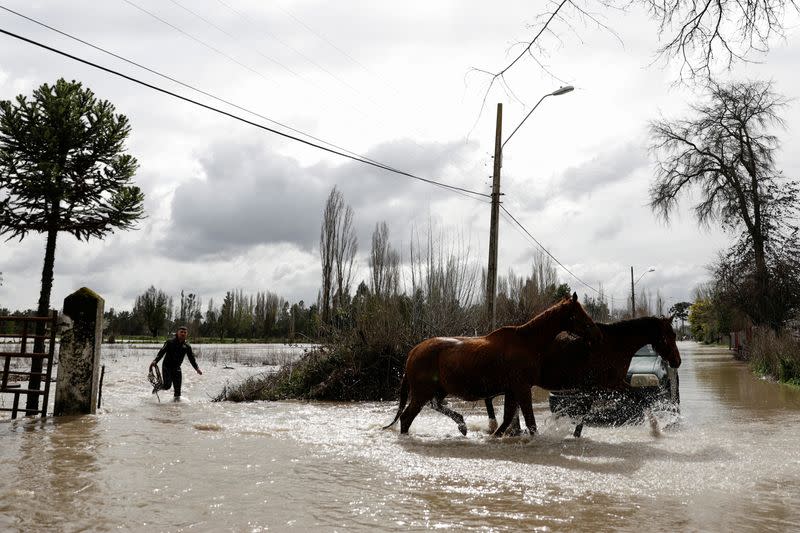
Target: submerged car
[{"x": 653, "y": 384}]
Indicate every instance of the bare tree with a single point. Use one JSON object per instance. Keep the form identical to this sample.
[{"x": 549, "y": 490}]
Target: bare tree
[
  {"x": 443, "y": 283},
  {"x": 337, "y": 248},
  {"x": 346, "y": 246},
  {"x": 521, "y": 297},
  {"x": 726, "y": 155},
  {"x": 384, "y": 263},
  {"x": 698, "y": 34}
]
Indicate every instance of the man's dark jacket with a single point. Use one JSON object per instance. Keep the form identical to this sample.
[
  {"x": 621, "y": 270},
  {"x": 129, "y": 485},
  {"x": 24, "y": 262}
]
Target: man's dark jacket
[{"x": 174, "y": 351}]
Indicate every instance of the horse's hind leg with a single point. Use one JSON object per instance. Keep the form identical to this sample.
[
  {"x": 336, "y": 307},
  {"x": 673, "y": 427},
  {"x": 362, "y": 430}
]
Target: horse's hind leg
[
  {"x": 491, "y": 415},
  {"x": 509, "y": 408},
  {"x": 526, "y": 405},
  {"x": 438, "y": 405},
  {"x": 410, "y": 412}
]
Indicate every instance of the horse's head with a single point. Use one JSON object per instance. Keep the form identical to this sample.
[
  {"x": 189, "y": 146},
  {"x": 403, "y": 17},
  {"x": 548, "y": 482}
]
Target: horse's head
[
  {"x": 578, "y": 322},
  {"x": 664, "y": 343}
]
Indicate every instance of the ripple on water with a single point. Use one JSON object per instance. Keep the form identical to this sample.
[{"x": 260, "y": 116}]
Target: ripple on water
[
  {"x": 716, "y": 466},
  {"x": 208, "y": 427}
]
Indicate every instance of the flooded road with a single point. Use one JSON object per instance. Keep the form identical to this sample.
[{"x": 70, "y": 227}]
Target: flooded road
[{"x": 729, "y": 461}]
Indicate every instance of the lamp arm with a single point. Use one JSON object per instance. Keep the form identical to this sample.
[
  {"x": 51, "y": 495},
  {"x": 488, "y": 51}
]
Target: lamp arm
[{"x": 524, "y": 119}]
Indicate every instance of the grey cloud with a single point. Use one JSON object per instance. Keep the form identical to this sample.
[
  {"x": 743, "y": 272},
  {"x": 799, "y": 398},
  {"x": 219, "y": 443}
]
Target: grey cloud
[
  {"x": 609, "y": 229},
  {"x": 252, "y": 196},
  {"x": 608, "y": 168},
  {"x": 248, "y": 197}
]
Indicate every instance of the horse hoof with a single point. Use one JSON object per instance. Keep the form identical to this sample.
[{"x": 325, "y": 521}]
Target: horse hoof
[
  {"x": 492, "y": 426},
  {"x": 463, "y": 429}
]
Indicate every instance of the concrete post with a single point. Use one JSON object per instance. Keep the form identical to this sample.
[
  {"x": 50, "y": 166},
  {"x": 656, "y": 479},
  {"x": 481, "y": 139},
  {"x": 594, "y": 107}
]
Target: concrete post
[{"x": 77, "y": 384}]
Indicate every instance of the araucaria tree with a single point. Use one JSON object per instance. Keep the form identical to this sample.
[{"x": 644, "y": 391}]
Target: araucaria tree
[
  {"x": 63, "y": 168},
  {"x": 726, "y": 155}
]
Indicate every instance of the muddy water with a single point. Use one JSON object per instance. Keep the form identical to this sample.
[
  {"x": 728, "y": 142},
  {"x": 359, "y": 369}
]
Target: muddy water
[{"x": 730, "y": 461}]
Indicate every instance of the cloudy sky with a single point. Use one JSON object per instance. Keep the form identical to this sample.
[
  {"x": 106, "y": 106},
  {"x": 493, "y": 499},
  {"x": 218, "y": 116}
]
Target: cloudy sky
[{"x": 232, "y": 206}]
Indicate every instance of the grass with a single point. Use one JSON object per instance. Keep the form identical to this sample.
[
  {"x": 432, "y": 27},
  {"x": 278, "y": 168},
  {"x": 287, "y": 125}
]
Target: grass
[{"x": 776, "y": 356}]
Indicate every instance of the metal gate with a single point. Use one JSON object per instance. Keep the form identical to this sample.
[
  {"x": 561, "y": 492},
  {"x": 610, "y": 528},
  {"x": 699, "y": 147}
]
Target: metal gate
[{"x": 30, "y": 368}]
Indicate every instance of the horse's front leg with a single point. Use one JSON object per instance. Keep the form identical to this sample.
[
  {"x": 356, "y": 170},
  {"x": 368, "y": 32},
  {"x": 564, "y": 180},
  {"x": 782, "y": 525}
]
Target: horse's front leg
[
  {"x": 491, "y": 415},
  {"x": 509, "y": 408},
  {"x": 526, "y": 405}
]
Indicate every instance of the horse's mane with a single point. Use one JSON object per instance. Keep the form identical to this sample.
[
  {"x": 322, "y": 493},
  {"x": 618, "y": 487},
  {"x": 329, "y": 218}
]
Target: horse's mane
[
  {"x": 631, "y": 325},
  {"x": 544, "y": 315}
]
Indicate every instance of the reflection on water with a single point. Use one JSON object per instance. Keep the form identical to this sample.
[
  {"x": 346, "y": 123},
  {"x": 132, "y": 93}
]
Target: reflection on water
[{"x": 729, "y": 461}]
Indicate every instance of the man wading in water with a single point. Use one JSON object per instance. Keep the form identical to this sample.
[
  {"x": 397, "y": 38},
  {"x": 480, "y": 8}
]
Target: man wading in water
[{"x": 173, "y": 352}]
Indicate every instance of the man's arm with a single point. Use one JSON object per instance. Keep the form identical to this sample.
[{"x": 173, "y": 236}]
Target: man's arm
[
  {"x": 192, "y": 360},
  {"x": 160, "y": 354}
]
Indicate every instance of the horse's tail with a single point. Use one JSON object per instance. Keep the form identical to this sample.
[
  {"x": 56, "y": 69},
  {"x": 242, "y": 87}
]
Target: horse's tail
[{"x": 403, "y": 400}]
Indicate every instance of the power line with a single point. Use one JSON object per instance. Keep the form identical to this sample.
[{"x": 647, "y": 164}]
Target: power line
[
  {"x": 244, "y": 120},
  {"x": 545, "y": 250},
  {"x": 286, "y": 45},
  {"x": 174, "y": 80},
  {"x": 298, "y": 52},
  {"x": 529, "y": 236},
  {"x": 195, "y": 39},
  {"x": 235, "y": 38},
  {"x": 332, "y": 45},
  {"x": 379, "y": 119}
]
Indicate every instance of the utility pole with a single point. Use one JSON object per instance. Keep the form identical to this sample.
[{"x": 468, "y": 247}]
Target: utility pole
[
  {"x": 491, "y": 275},
  {"x": 633, "y": 298}
]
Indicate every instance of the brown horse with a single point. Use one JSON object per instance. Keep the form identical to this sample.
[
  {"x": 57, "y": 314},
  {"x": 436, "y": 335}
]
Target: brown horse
[
  {"x": 506, "y": 361},
  {"x": 572, "y": 363}
]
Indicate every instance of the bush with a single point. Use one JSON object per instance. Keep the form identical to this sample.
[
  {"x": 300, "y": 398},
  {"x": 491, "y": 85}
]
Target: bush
[
  {"x": 775, "y": 355},
  {"x": 363, "y": 362}
]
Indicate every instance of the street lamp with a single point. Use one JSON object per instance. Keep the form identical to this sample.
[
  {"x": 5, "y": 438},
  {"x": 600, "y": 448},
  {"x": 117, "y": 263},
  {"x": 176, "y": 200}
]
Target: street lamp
[
  {"x": 633, "y": 295},
  {"x": 491, "y": 277}
]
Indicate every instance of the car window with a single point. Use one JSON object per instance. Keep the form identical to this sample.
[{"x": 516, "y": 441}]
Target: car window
[{"x": 645, "y": 351}]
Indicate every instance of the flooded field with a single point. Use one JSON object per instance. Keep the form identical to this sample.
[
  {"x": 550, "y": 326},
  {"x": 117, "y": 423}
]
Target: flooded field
[{"x": 729, "y": 461}]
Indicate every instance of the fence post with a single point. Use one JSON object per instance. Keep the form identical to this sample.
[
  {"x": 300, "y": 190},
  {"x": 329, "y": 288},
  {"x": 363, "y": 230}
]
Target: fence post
[{"x": 77, "y": 383}]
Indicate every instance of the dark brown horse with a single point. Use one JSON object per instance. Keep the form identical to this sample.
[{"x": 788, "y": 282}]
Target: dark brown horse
[
  {"x": 572, "y": 363},
  {"x": 506, "y": 361}
]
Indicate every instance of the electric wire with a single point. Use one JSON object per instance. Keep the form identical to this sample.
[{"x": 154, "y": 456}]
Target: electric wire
[
  {"x": 210, "y": 95},
  {"x": 195, "y": 39},
  {"x": 235, "y": 38},
  {"x": 545, "y": 250},
  {"x": 377, "y": 118},
  {"x": 299, "y": 53},
  {"x": 344, "y": 152},
  {"x": 288, "y": 46},
  {"x": 244, "y": 120},
  {"x": 183, "y": 84},
  {"x": 525, "y": 233}
]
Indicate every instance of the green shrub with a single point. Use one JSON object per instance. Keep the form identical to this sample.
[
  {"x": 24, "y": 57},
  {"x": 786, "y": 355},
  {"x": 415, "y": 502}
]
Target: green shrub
[{"x": 775, "y": 355}]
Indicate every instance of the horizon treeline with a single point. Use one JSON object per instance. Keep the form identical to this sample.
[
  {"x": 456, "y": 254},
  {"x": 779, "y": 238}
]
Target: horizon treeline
[{"x": 438, "y": 289}]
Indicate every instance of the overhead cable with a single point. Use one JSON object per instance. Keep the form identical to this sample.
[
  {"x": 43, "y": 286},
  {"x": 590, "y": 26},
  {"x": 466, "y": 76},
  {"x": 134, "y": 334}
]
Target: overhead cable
[
  {"x": 244, "y": 120},
  {"x": 183, "y": 84},
  {"x": 545, "y": 250}
]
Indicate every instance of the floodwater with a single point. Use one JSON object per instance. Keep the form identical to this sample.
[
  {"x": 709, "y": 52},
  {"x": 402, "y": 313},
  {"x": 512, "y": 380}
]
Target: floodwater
[{"x": 729, "y": 462}]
